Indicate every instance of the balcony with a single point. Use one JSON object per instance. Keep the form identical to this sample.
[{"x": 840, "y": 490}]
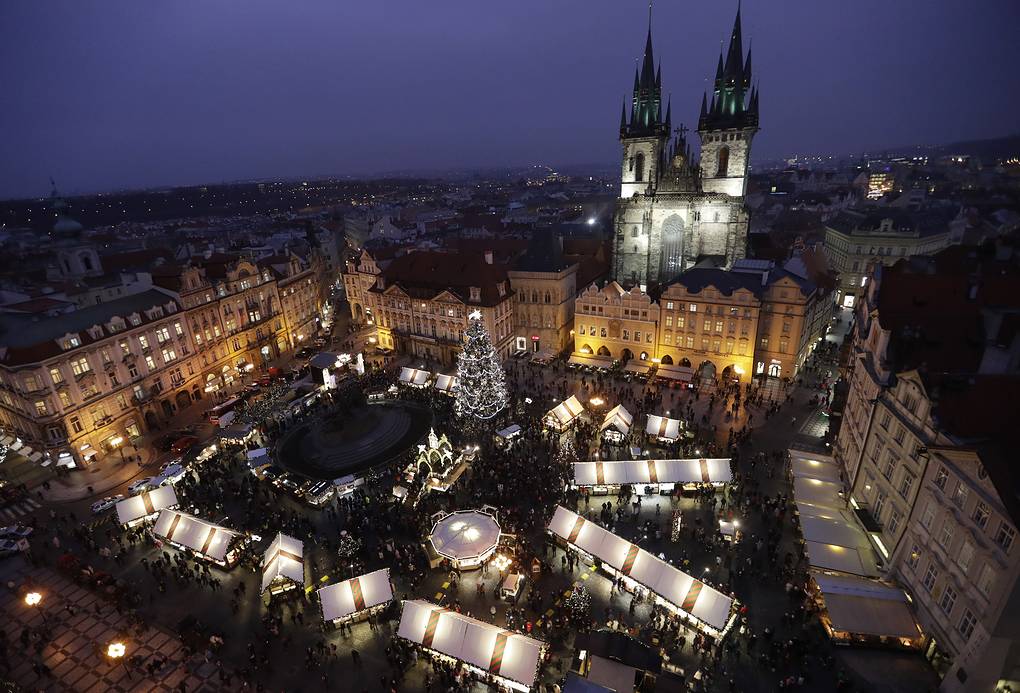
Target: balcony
[{"x": 105, "y": 421}]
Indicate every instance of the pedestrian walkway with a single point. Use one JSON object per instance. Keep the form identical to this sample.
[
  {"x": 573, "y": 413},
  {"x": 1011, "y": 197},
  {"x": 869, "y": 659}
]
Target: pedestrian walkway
[{"x": 19, "y": 509}]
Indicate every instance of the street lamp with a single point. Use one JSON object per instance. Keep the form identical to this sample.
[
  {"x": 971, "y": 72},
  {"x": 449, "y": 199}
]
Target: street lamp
[
  {"x": 118, "y": 444},
  {"x": 33, "y": 600},
  {"x": 116, "y": 651}
]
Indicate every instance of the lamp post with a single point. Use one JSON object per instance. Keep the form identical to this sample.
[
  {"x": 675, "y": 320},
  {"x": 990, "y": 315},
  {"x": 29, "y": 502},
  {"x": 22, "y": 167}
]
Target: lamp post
[
  {"x": 115, "y": 651},
  {"x": 118, "y": 444},
  {"x": 33, "y": 600}
]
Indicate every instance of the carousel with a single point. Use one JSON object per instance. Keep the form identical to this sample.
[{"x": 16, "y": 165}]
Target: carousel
[{"x": 465, "y": 538}]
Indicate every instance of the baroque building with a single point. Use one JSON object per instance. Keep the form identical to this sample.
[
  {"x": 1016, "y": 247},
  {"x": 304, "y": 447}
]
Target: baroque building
[{"x": 674, "y": 211}]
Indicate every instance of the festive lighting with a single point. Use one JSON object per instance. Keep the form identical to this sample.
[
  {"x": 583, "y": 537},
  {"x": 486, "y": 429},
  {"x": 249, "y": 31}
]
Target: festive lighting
[
  {"x": 501, "y": 562},
  {"x": 33, "y": 598},
  {"x": 483, "y": 392},
  {"x": 597, "y": 401},
  {"x": 116, "y": 650}
]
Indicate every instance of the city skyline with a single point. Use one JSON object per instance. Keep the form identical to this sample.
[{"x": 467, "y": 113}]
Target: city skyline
[{"x": 142, "y": 97}]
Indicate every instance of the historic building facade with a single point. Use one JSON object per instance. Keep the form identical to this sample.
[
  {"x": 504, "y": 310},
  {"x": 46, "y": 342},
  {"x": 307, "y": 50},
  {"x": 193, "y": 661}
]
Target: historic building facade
[{"x": 672, "y": 210}]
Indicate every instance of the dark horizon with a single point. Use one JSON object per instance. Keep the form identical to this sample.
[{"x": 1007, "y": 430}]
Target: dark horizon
[{"x": 146, "y": 97}]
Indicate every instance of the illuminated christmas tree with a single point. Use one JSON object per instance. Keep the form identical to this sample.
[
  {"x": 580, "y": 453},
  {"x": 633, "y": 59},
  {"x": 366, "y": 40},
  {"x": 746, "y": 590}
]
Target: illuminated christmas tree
[{"x": 481, "y": 383}]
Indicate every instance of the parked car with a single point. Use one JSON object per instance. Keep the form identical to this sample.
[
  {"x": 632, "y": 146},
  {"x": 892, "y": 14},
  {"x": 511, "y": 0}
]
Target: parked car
[
  {"x": 141, "y": 485},
  {"x": 183, "y": 444},
  {"x": 16, "y": 531},
  {"x": 101, "y": 506},
  {"x": 165, "y": 442},
  {"x": 272, "y": 472},
  {"x": 290, "y": 483},
  {"x": 9, "y": 547}
]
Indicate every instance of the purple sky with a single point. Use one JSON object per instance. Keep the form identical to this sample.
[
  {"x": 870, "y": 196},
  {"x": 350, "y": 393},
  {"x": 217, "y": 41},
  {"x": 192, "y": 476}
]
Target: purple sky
[{"x": 137, "y": 94}]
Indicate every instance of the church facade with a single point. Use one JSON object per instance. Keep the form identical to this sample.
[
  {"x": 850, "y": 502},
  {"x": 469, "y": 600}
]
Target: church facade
[{"x": 674, "y": 211}]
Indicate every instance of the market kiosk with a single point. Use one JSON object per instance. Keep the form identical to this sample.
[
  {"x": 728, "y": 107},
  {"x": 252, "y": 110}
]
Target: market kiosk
[
  {"x": 413, "y": 377},
  {"x": 146, "y": 506},
  {"x": 703, "y": 606},
  {"x": 561, "y": 417},
  {"x": 356, "y": 599},
  {"x": 209, "y": 542},
  {"x": 466, "y": 538},
  {"x": 616, "y": 426},
  {"x": 651, "y": 476},
  {"x": 283, "y": 565},
  {"x": 661, "y": 429},
  {"x": 447, "y": 384},
  {"x": 506, "y": 658}
]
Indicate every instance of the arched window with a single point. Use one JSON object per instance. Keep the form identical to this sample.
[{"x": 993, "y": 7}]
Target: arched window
[
  {"x": 639, "y": 167},
  {"x": 724, "y": 161},
  {"x": 547, "y": 297}
]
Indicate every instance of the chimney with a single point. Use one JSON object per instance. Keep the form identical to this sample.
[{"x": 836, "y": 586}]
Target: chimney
[{"x": 488, "y": 257}]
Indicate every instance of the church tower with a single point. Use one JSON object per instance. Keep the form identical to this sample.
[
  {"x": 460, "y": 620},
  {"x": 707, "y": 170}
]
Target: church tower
[
  {"x": 729, "y": 122},
  {"x": 644, "y": 138}
]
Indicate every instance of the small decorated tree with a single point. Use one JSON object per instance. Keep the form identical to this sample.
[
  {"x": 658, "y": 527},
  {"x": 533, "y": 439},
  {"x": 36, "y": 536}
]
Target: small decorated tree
[{"x": 481, "y": 383}]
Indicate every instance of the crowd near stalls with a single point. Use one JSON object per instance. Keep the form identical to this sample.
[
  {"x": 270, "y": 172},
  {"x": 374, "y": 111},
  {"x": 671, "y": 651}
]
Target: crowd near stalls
[
  {"x": 506, "y": 658},
  {"x": 146, "y": 506},
  {"x": 651, "y": 476},
  {"x": 203, "y": 539},
  {"x": 708, "y": 609},
  {"x": 356, "y": 599},
  {"x": 616, "y": 425},
  {"x": 283, "y": 566},
  {"x": 505, "y": 438},
  {"x": 564, "y": 415},
  {"x": 436, "y": 467}
]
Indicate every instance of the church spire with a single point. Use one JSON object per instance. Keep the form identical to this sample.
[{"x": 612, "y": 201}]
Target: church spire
[
  {"x": 731, "y": 107},
  {"x": 646, "y": 113}
]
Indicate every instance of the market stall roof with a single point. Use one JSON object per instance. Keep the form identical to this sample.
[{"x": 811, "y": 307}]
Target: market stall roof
[
  {"x": 579, "y": 359},
  {"x": 323, "y": 360},
  {"x": 618, "y": 418},
  {"x": 144, "y": 504},
  {"x": 673, "y": 372},
  {"x": 445, "y": 383},
  {"x": 814, "y": 467},
  {"x": 283, "y": 559},
  {"x": 465, "y": 534},
  {"x": 818, "y": 492},
  {"x": 714, "y": 470},
  {"x": 413, "y": 376},
  {"x": 705, "y": 603},
  {"x": 566, "y": 411},
  {"x": 636, "y": 366},
  {"x": 866, "y": 607},
  {"x": 509, "y": 432},
  {"x": 662, "y": 427},
  {"x": 502, "y": 653},
  {"x": 200, "y": 536},
  {"x": 357, "y": 594}
]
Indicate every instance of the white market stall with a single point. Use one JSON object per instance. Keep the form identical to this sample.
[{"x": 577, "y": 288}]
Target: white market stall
[
  {"x": 445, "y": 383},
  {"x": 510, "y": 658},
  {"x": 137, "y": 509},
  {"x": 616, "y": 425},
  {"x": 414, "y": 377},
  {"x": 356, "y": 599},
  {"x": 467, "y": 538},
  {"x": 661, "y": 475},
  {"x": 564, "y": 415},
  {"x": 590, "y": 360},
  {"x": 506, "y": 437},
  {"x": 669, "y": 371},
  {"x": 707, "y": 608},
  {"x": 283, "y": 565},
  {"x": 208, "y": 541},
  {"x": 663, "y": 429},
  {"x": 859, "y": 611},
  {"x": 637, "y": 367}
]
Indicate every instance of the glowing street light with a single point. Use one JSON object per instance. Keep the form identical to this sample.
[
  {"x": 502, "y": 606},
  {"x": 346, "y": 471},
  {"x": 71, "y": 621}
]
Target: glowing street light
[
  {"x": 116, "y": 650},
  {"x": 33, "y": 598},
  {"x": 118, "y": 444}
]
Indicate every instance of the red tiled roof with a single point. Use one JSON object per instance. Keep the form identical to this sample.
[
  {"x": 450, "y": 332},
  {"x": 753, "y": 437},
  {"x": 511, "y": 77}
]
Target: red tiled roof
[{"x": 427, "y": 274}]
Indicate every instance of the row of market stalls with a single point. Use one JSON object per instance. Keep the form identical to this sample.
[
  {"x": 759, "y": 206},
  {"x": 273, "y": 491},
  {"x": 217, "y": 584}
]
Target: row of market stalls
[
  {"x": 146, "y": 506},
  {"x": 420, "y": 379},
  {"x": 511, "y": 659},
  {"x": 662, "y": 475},
  {"x": 856, "y": 606},
  {"x": 616, "y": 424},
  {"x": 706, "y": 608},
  {"x": 637, "y": 366}
]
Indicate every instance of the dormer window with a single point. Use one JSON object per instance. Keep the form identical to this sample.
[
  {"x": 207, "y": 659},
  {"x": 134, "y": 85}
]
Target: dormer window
[
  {"x": 96, "y": 332},
  {"x": 501, "y": 287},
  {"x": 71, "y": 341},
  {"x": 476, "y": 294},
  {"x": 135, "y": 319}
]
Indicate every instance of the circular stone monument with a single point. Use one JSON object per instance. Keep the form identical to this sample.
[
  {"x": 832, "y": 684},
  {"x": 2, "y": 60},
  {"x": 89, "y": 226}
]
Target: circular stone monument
[{"x": 330, "y": 446}]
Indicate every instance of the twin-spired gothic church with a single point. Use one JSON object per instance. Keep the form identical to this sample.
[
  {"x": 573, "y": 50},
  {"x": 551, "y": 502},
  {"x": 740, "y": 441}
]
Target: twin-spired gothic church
[{"x": 674, "y": 211}]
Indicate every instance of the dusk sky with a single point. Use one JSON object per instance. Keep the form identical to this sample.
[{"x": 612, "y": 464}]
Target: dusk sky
[{"x": 105, "y": 95}]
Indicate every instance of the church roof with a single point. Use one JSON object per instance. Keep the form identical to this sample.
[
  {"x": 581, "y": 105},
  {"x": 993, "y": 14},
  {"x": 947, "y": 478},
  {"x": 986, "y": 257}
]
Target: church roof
[{"x": 726, "y": 282}]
